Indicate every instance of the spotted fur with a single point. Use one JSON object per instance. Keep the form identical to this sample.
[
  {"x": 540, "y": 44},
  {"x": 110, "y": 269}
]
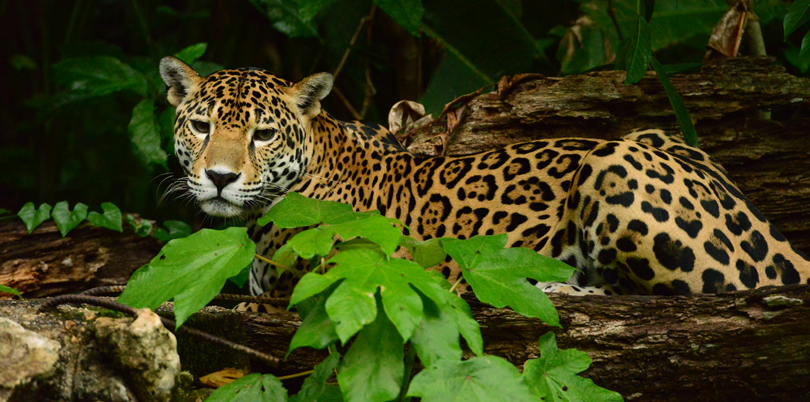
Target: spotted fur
[{"x": 646, "y": 214}]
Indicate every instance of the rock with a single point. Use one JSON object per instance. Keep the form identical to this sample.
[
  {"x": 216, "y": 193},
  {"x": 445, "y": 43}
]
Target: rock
[
  {"x": 144, "y": 351},
  {"x": 25, "y": 357}
]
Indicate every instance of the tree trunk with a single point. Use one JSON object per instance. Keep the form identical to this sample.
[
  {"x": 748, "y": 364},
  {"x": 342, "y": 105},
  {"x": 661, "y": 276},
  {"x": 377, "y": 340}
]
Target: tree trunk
[{"x": 768, "y": 159}]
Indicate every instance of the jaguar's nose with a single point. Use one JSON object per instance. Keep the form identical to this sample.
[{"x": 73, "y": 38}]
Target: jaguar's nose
[{"x": 220, "y": 179}]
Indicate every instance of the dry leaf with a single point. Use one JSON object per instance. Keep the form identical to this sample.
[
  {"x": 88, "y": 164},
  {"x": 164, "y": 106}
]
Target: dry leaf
[
  {"x": 453, "y": 118},
  {"x": 222, "y": 377},
  {"x": 724, "y": 42},
  {"x": 462, "y": 100},
  {"x": 403, "y": 115},
  {"x": 506, "y": 84}
]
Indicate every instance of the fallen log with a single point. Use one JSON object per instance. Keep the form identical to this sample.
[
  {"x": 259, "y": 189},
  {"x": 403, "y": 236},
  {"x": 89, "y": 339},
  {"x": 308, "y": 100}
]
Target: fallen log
[{"x": 44, "y": 263}]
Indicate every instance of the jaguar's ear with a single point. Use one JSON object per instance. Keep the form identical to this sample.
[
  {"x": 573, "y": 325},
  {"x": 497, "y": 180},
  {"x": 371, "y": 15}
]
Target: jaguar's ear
[
  {"x": 309, "y": 92},
  {"x": 180, "y": 79}
]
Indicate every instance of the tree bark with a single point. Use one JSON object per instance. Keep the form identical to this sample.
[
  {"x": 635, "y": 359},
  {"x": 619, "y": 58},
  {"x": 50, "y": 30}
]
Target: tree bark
[
  {"x": 768, "y": 159},
  {"x": 44, "y": 263}
]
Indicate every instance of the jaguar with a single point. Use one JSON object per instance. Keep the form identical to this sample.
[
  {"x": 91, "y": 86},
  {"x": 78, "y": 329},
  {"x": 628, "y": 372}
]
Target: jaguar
[{"x": 645, "y": 214}]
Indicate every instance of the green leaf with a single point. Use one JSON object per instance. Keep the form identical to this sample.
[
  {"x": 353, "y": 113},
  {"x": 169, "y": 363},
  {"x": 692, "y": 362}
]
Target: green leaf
[
  {"x": 242, "y": 277},
  {"x": 22, "y": 62},
  {"x": 407, "y": 13},
  {"x": 639, "y": 52},
  {"x": 584, "y": 50},
  {"x": 375, "y": 228},
  {"x": 436, "y": 337},
  {"x": 111, "y": 219},
  {"x": 352, "y": 305},
  {"x": 286, "y": 17},
  {"x": 317, "y": 330},
  {"x": 34, "y": 217},
  {"x": 793, "y": 56},
  {"x": 174, "y": 230},
  {"x": 145, "y": 135},
  {"x": 476, "y": 57},
  {"x": 672, "y": 22},
  {"x": 142, "y": 227},
  {"x": 688, "y": 129},
  {"x": 363, "y": 271},
  {"x": 4, "y": 211},
  {"x": 798, "y": 14},
  {"x": 482, "y": 378},
  {"x": 191, "y": 271},
  {"x": 804, "y": 53},
  {"x": 498, "y": 275},
  {"x": 315, "y": 388},
  {"x": 251, "y": 388},
  {"x": 166, "y": 129},
  {"x": 373, "y": 369},
  {"x": 6, "y": 289},
  {"x": 296, "y": 211},
  {"x": 427, "y": 253},
  {"x": 553, "y": 375},
  {"x": 66, "y": 219},
  {"x": 192, "y": 53},
  {"x": 98, "y": 76},
  {"x": 204, "y": 68},
  {"x": 645, "y": 9},
  {"x": 308, "y": 9}
]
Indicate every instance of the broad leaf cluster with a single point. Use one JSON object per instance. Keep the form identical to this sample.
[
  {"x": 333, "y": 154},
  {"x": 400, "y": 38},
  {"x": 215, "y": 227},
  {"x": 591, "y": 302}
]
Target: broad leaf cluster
[
  {"x": 67, "y": 219},
  {"x": 378, "y": 308},
  {"x": 150, "y": 132}
]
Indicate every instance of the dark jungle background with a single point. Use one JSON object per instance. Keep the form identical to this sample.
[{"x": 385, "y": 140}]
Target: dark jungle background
[{"x": 83, "y": 115}]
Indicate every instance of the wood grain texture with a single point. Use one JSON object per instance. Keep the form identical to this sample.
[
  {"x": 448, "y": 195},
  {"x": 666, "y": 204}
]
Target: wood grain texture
[{"x": 44, "y": 263}]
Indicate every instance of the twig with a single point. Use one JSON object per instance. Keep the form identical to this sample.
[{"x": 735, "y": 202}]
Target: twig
[
  {"x": 274, "y": 301},
  {"x": 452, "y": 288},
  {"x": 348, "y": 51},
  {"x": 292, "y": 270},
  {"x": 612, "y": 15},
  {"x": 346, "y": 103}
]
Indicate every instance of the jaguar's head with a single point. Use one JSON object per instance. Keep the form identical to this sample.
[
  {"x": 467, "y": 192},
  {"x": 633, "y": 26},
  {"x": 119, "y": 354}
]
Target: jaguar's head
[{"x": 242, "y": 136}]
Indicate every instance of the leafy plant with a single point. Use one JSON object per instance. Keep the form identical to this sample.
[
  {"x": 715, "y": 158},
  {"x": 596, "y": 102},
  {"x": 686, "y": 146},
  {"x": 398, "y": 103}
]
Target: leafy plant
[
  {"x": 6, "y": 289},
  {"x": 33, "y": 217},
  {"x": 389, "y": 310},
  {"x": 66, "y": 220}
]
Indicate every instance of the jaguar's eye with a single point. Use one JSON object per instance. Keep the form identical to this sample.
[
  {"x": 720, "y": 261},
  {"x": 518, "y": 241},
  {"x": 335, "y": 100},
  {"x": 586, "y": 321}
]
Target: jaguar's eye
[
  {"x": 201, "y": 127},
  {"x": 264, "y": 135}
]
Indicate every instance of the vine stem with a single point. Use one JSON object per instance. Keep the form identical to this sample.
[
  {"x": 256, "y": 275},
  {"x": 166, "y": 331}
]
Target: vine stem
[
  {"x": 301, "y": 374},
  {"x": 293, "y": 271},
  {"x": 452, "y": 288},
  {"x": 406, "y": 382}
]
